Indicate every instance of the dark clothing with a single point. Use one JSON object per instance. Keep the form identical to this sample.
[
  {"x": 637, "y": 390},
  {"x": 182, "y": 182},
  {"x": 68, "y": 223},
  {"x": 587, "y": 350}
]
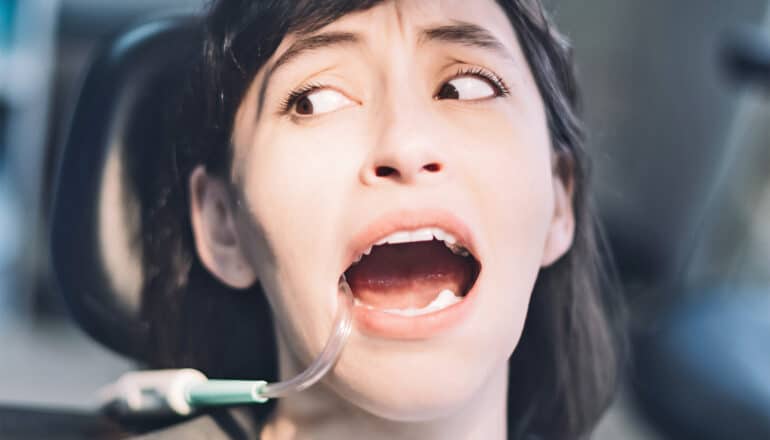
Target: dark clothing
[{"x": 226, "y": 424}]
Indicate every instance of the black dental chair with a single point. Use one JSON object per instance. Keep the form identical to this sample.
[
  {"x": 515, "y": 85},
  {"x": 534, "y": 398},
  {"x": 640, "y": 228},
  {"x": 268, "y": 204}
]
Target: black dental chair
[
  {"x": 116, "y": 128},
  {"x": 95, "y": 229}
]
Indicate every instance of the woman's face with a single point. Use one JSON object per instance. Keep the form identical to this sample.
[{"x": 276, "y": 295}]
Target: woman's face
[{"x": 412, "y": 116}]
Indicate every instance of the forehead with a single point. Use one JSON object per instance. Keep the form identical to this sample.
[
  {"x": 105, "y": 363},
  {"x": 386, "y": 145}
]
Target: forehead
[{"x": 405, "y": 18}]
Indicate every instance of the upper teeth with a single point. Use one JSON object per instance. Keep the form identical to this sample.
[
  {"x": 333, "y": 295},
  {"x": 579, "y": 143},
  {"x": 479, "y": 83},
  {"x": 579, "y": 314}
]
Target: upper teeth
[{"x": 424, "y": 234}]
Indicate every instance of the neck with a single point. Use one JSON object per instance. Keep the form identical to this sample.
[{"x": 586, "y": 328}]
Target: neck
[{"x": 320, "y": 413}]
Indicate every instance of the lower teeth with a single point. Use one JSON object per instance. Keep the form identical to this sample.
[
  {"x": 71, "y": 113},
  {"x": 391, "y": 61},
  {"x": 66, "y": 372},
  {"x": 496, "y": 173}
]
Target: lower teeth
[{"x": 444, "y": 299}]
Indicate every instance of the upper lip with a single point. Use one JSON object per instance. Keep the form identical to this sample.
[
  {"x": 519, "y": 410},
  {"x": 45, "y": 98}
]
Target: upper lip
[{"x": 409, "y": 220}]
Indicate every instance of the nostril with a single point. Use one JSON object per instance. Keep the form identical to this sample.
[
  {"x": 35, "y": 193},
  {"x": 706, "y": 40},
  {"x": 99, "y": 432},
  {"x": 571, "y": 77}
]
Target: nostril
[
  {"x": 432, "y": 167},
  {"x": 385, "y": 171}
]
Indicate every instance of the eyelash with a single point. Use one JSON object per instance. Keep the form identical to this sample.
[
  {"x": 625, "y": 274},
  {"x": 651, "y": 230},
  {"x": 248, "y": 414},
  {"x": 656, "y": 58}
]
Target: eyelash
[
  {"x": 288, "y": 103},
  {"x": 501, "y": 89}
]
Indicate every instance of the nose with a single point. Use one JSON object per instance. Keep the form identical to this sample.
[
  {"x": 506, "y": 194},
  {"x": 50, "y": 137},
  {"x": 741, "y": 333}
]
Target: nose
[{"x": 407, "y": 148}]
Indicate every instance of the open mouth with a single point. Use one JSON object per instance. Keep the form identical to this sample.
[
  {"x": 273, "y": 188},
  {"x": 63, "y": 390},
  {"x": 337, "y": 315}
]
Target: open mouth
[{"x": 413, "y": 273}]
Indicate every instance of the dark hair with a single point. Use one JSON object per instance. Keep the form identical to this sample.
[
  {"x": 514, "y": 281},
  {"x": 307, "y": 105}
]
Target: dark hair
[{"x": 563, "y": 372}]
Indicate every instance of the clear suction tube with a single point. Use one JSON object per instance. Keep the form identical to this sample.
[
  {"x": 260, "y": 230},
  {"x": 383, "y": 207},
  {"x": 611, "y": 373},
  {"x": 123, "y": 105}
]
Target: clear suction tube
[
  {"x": 327, "y": 358},
  {"x": 224, "y": 392},
  {"x": 183, "y": 391}
]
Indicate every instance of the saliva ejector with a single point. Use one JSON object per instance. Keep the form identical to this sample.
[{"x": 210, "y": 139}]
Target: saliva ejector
[{"x": 182, "y": 391}]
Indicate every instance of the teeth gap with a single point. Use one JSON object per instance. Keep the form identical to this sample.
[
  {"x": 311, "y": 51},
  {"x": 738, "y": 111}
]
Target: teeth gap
[{"x": 457, "y": 249}]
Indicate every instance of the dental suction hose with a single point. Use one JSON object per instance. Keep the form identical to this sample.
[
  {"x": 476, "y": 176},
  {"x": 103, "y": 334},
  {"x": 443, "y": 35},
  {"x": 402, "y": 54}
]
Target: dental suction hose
[{"x": 181, "y": 392}]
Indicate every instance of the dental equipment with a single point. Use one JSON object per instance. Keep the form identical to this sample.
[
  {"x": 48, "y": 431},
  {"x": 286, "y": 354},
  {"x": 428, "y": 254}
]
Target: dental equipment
[{"x": 181, "y": 392}]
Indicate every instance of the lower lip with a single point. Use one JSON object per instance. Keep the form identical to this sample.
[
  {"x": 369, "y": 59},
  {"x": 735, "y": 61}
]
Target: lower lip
[{"x": 388, "y": 325}]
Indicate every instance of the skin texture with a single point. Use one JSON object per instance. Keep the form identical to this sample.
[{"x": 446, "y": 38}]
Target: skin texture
[{"x": 304, "y": 184}]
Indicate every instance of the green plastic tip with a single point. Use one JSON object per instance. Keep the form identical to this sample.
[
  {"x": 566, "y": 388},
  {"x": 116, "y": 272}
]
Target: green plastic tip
[{"x": 226, "y": 392}]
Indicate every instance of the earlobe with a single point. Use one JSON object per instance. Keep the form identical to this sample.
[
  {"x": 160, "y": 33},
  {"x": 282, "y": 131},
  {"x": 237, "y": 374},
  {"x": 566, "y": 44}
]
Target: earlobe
[
  {"x": 216, "y": 237},
  {"x": 561, "y": 231}
]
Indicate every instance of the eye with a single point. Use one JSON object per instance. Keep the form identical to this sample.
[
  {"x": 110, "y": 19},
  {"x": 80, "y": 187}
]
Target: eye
[
  {"x": 316, "y": 101},
  {"x": 471, "y": 86}
]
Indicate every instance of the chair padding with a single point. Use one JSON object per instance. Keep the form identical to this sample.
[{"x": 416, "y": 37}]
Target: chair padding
[{"x": 96, "y": 232}]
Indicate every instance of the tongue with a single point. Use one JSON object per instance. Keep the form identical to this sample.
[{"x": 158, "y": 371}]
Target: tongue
[{"x": 409, "y": 275}]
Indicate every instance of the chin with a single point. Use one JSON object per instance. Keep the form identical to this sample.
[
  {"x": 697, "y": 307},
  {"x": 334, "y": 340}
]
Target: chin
[
  {"x": 421, "y": 381},
  {"x": 413, "y": 400}
]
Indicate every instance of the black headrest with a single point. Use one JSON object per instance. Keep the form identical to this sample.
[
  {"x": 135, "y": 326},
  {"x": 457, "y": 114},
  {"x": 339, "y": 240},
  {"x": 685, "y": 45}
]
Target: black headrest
[{"x": 96, "y": 232}]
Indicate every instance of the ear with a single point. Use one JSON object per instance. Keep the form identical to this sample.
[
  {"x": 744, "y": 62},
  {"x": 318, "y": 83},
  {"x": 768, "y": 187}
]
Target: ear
[
  {"x": 561, "y": 231},
  {"x": 216, "y": 238}
]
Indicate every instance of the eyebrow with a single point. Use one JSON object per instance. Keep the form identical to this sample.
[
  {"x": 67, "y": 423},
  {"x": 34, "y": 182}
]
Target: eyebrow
[
  {"x": 315, "y": 42},
  {"x": 466, "y": 34},
  {"x": 302, "y": 46},
  {"x": 459, "y": 32}
]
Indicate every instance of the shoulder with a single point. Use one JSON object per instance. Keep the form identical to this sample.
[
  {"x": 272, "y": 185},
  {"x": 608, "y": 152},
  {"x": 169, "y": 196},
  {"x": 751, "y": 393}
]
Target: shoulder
[{"x": 226, "y": 424}]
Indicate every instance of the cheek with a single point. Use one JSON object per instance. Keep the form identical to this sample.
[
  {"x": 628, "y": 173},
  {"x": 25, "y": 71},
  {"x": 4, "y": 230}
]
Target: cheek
[
  {"x": 511, "y": 178},
  {"x": 296, "y": 184},
  {"x": 280, "y": 194},
  {"x": 522, "y": 200},
  {"x": 298, "y": 174},
  {"x": 282, "y": 189},
  {"x": 510, "y": 175}
]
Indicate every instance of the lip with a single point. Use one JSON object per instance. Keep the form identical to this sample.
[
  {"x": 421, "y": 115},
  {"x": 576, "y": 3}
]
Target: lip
[{"x": 388, "y": 325}]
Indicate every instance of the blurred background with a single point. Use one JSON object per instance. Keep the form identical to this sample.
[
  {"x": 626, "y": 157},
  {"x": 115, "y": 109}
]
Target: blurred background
[{"x": 678, "y": 116}]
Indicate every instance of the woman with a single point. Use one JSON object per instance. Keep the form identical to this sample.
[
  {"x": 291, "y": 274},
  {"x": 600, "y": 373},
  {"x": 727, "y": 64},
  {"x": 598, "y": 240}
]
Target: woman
[{"x": 428, "y": 154}]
